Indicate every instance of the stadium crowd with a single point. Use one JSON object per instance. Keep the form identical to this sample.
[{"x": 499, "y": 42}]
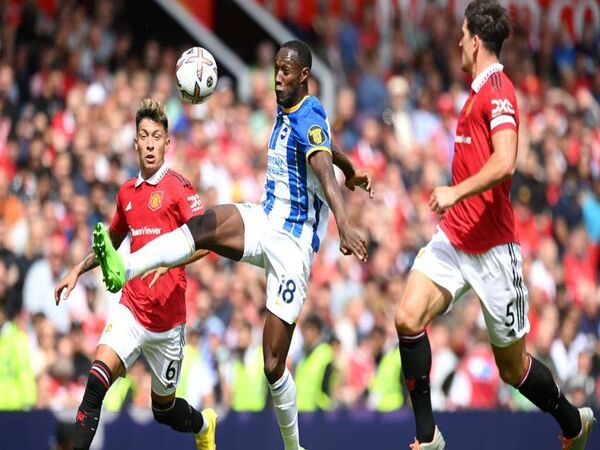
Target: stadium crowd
[{"x": 69, "y": 86}]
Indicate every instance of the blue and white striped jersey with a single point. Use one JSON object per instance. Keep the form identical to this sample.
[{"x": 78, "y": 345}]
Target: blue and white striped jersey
[{"x": 294, "y": 198}]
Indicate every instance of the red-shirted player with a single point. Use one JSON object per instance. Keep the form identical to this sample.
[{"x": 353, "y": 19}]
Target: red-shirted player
[
  {"x": 151, "y": 315},
  {"x": 476, "y": 245}
]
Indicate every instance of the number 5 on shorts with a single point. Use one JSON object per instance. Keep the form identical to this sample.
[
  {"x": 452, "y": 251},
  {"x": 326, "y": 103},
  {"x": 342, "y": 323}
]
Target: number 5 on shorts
[{"x": 510, "y": 316}]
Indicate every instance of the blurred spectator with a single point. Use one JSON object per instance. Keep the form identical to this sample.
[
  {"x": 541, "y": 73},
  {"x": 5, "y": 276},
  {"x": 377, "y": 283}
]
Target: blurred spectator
[
  {"x": 581, "y": 264},
  {"x": 314, "y": 371},
  {"x": 198, "y": 394},
  {"x": 11, "y": 278},
  {"x": 443, "y": 363},
  {"x": 372, "y": 94},
  {"x": 17, "y": 380},
  {"x": 41, "y": 278},
  {"x": 11, "y": 208},
  {"x": 567, "y": 346},
  {"x": 476, "y": 382},
  {"x": 246, "y": 374},
  {"x": 591, "y": 212},
  {"x": 385, "y": 390}
]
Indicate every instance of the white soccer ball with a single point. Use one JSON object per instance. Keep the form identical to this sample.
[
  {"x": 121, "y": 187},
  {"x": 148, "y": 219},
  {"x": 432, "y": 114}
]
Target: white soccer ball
[{"x": 196, "y": 75}]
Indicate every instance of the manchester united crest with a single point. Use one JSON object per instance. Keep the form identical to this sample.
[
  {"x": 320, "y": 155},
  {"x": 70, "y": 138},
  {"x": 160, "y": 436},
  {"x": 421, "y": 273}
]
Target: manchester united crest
[{"x": 155, "y": 201}]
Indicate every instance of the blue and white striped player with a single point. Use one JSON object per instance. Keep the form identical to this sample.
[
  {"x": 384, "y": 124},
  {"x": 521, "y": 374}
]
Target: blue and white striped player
[{"x": 282, "y": 234}]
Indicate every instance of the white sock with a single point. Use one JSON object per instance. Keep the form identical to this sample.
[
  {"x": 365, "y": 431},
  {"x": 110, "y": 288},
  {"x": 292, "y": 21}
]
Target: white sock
[
  {"x": 170, "y": 249},
  {"x": 283, "y": 392}
]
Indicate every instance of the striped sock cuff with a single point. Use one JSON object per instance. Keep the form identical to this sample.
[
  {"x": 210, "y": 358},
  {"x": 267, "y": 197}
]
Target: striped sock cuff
[
  {"x": 102, "y": 372},
  {"x": 411, "y": 338},
  {"x": 526, "y": 374},
  {"x": 280, "y": 384},
  {"x": 161, "y": 409}
]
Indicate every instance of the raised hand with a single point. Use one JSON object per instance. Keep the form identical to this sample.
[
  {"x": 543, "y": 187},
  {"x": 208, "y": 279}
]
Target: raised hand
[
  {"x": 158, "y": 272},
  {"x": 362, "y": 180},
  {"x": 68, "y": 282},
  {"x": 353, "y": 243}
]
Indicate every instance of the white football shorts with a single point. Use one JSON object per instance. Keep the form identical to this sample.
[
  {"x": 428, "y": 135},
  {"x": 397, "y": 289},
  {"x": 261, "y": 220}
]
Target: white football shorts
[
  {"x": 163, "y": 351},
  {"x": 496, "y": 276},
  {"x": 286, "y": 260}
]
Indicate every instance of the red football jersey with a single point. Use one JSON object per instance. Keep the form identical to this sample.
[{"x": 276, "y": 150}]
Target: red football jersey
[
  {"x": 146, "y": 209},
  {"x": 482, "y": 221}
]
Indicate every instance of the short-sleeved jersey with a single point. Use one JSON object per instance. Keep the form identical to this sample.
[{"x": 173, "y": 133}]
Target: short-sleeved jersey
[
  {"x": 147, "y": 209},
  {"x": 482, "y": 221},
  {"x": 294, "y": 198}
]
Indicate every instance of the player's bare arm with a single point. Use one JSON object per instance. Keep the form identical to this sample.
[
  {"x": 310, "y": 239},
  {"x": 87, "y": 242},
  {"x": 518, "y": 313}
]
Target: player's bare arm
[
  {"x": 160, "y": 271},
  {"x": 497, "y": 168},
  {"x": 353, "y": 177},
  {"x": 350, "y": 240},
  {"x": 69, "y": 281}
]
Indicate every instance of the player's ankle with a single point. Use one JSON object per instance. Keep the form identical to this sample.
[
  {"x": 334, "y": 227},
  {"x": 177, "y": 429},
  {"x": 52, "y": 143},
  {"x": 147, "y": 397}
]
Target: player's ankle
[{"x": 204, "y": 428}]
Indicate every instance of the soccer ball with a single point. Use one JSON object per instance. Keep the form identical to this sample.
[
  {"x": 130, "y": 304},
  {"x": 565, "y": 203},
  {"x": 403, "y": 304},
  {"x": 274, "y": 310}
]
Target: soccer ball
[{"x": 196, "y": 75}]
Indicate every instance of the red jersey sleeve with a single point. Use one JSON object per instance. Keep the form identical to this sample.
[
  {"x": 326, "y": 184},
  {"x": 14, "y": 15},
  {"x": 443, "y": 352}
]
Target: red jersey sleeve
[
  {"x": 119, "y": 222},
  {"x": 188, "y": 202},
  {"x": 501, "y": 108}
]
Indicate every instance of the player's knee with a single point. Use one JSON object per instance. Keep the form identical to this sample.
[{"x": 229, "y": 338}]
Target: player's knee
[
  {"x": 196, "y": 226},
  {"x": 274, "y": 368},
  {"x": 510, "y": 373},
  {"x": 408, "y": 321}
]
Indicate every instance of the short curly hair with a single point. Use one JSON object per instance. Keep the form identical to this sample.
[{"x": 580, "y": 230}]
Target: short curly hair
[
  {"x": 490, "y": 21},
  {"x": 303, "y": 54},
  {"x": 153, "y": 110}
]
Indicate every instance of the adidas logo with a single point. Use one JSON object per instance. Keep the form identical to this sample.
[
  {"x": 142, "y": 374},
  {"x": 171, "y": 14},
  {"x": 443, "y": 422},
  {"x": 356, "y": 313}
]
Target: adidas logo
[
  {"x": 511, "y": 333},
  {"x": 128, "y": 207}
]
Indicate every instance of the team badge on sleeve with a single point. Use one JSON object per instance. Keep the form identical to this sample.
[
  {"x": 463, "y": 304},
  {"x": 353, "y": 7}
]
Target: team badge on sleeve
[
  {"x": 316, "y": 135},
  {"x": 155, "y": 201}
]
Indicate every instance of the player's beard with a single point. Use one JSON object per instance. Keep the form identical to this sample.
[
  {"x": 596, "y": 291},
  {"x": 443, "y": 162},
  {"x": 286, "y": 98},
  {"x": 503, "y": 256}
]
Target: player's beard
[{"x": 283, "y": 98}]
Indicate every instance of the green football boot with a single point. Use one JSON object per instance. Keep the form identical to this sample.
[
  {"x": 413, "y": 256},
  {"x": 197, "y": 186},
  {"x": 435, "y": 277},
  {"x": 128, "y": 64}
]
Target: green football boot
[{"x": 111, "y": 263}]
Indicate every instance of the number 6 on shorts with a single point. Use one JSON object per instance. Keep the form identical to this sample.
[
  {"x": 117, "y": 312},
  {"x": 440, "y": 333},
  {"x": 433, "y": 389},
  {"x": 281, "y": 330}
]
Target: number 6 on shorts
[{"x": 171, "y": 372}]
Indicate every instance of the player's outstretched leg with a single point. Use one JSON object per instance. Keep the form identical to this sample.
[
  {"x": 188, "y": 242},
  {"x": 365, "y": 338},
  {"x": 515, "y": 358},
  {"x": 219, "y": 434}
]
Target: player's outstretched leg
[
  {"x": 169, "y": 250},
  {"x": 219, "y": 229}
]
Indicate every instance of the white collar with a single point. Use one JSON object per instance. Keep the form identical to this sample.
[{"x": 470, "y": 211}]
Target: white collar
[
  {"x": 154, "y": 179},
  {"x": 480, "y": 79}
]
